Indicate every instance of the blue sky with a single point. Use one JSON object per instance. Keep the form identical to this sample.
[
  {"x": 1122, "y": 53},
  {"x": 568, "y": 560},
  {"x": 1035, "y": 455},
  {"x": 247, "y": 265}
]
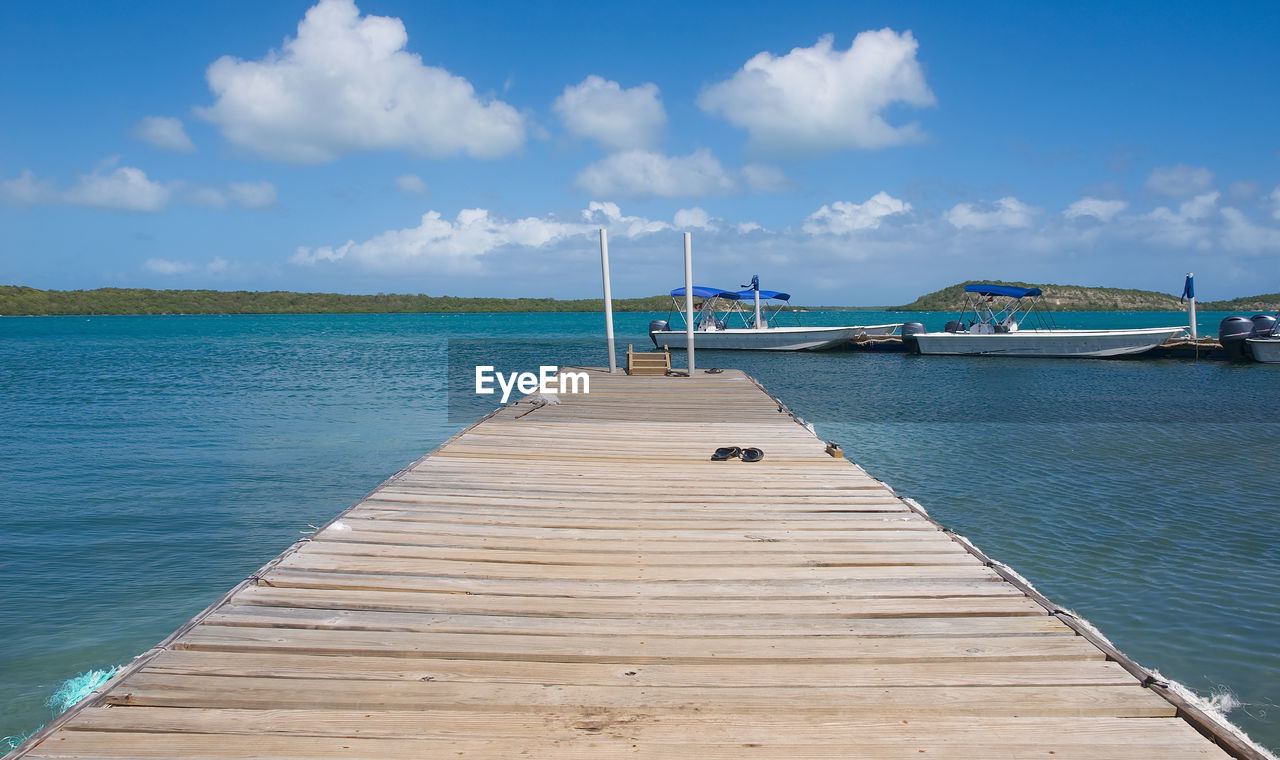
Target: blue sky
[{"x": 850, "y": 153}]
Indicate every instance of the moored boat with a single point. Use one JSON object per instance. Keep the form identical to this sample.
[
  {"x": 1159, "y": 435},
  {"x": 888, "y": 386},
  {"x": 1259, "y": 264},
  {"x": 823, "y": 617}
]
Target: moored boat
[
  {"x": 718, "y": 312},
  {"x": 996, "y": 329},
  {"x": 1265, "y": 350},
  {"x": 1257, "y": 338}
]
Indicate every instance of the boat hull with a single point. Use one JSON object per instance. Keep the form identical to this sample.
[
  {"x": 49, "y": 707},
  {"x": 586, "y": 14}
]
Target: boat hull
[
  {"x": 1091, "y": 344},
  {"x": 772, "y": 339},
  {"x": 1265, "y": 350}
]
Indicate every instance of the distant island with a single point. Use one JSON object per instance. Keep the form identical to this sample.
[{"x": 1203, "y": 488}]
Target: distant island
[
  {"x": 16, "y": 300},
  {"x": 20, "y": 301},
  {"x": 1082, "y": 298}
]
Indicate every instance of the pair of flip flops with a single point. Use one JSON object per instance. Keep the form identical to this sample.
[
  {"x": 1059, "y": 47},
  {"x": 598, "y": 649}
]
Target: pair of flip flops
[{"x": 734, "y": 452}]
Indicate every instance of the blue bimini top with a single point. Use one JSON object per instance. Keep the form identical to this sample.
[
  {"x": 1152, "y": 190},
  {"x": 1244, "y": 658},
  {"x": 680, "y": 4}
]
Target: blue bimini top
[
  {"x": 1001, "y": 290},
  {"x": 703, "y": 292},
  {"x": 749, "y": 295}
]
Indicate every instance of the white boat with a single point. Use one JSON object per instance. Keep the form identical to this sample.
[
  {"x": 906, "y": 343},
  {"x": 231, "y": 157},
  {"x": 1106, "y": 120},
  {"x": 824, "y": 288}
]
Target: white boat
[
  {"x": 717, "y": 308},
  {"x": 995, "y": 329},
  {"x": 1266, "y": 350},
  {"x": 773, "y": 339}
]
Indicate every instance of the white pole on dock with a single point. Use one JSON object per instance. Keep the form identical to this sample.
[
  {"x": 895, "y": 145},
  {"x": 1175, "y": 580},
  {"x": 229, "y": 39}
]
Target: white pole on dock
[
  {"x": 1189, "y": 292},
  {"x": 688, "y": 296},
  {"x": 758, "y": 326},
  {"x": 608, "y": 300}
]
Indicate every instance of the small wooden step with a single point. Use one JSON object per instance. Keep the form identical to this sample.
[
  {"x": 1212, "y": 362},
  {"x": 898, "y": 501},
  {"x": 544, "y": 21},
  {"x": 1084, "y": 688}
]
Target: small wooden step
[{"x": 657, "y": 363}]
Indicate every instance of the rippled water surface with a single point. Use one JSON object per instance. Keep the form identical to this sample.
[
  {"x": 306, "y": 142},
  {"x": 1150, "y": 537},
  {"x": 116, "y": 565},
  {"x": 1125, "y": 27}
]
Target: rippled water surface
[{"x": 150, "y": 463}]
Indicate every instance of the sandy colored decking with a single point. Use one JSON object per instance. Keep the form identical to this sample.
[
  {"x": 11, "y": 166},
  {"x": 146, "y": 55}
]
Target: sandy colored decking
[{"x": 580, "y": 581}]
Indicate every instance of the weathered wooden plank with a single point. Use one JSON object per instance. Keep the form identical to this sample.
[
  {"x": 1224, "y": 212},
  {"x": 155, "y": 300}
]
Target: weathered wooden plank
[
  {"x": 955, "y": 582},
  {"x": 796, "y": 675},
  {"x": 165, "y": 690},
  {"x": 659, "y": 726},
  {"x": 768, "y": 532},
  {"x": 706, "y": 611},
  {"x": 342, "y": 542},
  {"x": 637, "y": 649},
  {"x": 846, "y": 521},
  {"x": 926, "y": 566},
  {"x": 590, "y": 745},
  {"x": 746, "y": 540},
  {"x": 924, "y": 555}
]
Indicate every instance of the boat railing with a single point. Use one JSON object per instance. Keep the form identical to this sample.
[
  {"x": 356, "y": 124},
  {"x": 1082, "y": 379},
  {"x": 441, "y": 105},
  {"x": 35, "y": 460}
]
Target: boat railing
[
  {"x": 1005, "y": 313},
  {"x": 706, "y": 314}
]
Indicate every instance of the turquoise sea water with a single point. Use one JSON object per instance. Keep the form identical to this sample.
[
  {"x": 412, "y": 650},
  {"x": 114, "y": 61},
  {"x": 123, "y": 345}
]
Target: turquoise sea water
[{"x": 147, "y": 464}]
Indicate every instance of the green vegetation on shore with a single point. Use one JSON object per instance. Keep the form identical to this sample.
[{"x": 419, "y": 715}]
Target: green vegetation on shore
[
  {"x": 16, "y": 300},
  {"x": 1081, "y": 298},
  {"x": 1265, "y": 302}
]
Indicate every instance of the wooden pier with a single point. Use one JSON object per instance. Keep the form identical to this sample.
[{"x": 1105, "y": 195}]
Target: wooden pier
[{"x": 579, "y": 580}]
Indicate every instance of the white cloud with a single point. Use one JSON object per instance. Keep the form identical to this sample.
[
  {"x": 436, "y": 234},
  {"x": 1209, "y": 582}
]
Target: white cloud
[
  {"x": 646, "y": 174},
  {"x": 1179, "y": 181},
  {"x": 888, "y": 235},
  {"x": 618, "y": 119},
  {"x": 1102, "y": 210},
  {"x": 820, "y": 99},
  {"x": 252, "y": 194},
  {"x": 693, "y": 218},
  {"x": 164, "y": 266},
  {"x": 216, "y": 265},
  {"x": 1166, "y": 227},
  {"x": 1189, "y": 226},
  {"x": 411, "y": 184},
  {"x": 461, "y": 245},
  {"x": 1242, "y": 234},
  {"x": 346, "y": 83},
  {"x": 207, "y": 197},
  {"x": 164, "y": 132},
  {"x": 609, "y": 215},
  {"x": 641, "y": 174},
  {"x": 127, "y": 188},
  {"x": 453, "y": 246},
  {"x": 1275, "y": 198},
  {"x": 1199, "y": 207},
  {"x": 843, "y": 217},
  {"x": 26, "y": 189},
  {"x": 124, "y": 188},
  {"x": 1006, "y": 213}
]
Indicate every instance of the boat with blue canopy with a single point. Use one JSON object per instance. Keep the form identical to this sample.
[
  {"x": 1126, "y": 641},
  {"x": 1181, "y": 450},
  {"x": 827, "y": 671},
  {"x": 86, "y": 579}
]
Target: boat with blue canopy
[
  {"x": 1000, "y": 320},
  {"x": 722, "y": 320}
]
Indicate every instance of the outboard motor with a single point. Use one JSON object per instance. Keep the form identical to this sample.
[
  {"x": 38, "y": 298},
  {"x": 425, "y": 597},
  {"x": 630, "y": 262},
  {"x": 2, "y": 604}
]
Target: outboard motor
[
  {"x": 1264, "y": 325},
  {"x": 1231, "y": 334},
  {"x": 909, "y": 332},
  {"x": 955, "y": 326},
  {"x": 657, "y": 325}
]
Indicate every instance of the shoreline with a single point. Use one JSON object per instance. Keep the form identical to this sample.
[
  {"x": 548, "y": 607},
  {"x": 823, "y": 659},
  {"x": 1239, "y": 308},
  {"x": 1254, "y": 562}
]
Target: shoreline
[
  {"x": 16, "y": 300},
  {"x": 799, "y": 309}
]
